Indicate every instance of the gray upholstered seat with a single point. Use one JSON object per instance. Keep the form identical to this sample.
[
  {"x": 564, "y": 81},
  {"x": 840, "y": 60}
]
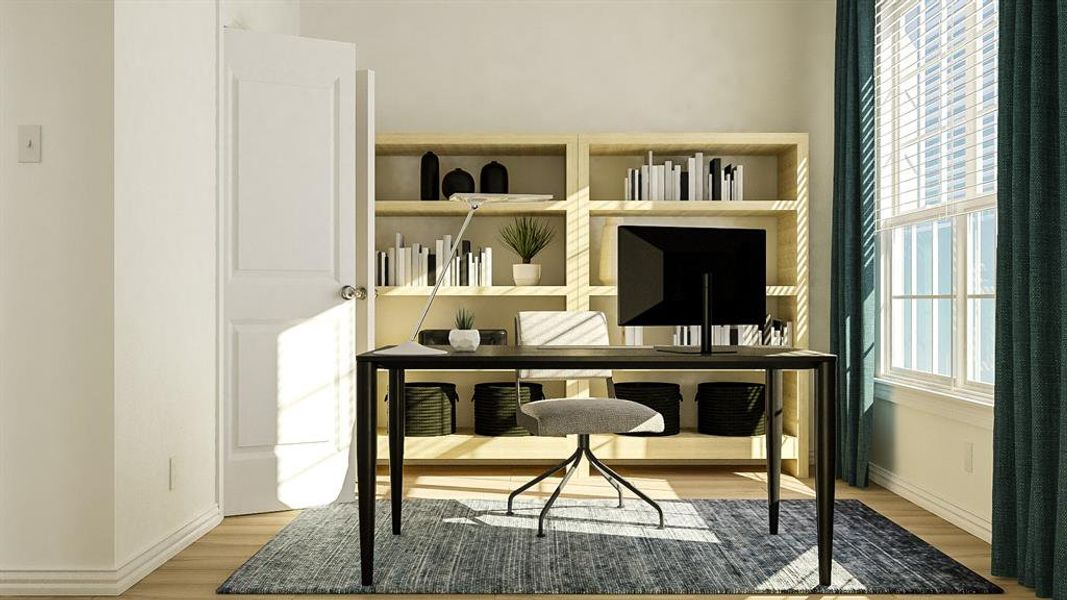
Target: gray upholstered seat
[
  {"x": 568, "y": 416},
  {"x": 576, "y": 416}
]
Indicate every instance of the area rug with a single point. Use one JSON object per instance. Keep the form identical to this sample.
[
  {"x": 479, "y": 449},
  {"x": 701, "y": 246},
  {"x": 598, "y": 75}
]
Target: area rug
[{"x": 707, "y": 547}]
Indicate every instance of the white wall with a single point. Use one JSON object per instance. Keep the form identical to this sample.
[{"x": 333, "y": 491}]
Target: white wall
[
  {"x": 165, "y": 225},
  {"x": 269, "y": 16},
  {"x": 107, "y": 272},
  {"x": 570, "y": 65},
  {"x": 56, "y": 434},
  {"x": 936, "y": 451}
]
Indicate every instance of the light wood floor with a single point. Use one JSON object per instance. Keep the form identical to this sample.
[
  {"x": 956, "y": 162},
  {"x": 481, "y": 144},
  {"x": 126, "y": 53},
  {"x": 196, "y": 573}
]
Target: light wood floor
[{"x": 196, "y": 572}]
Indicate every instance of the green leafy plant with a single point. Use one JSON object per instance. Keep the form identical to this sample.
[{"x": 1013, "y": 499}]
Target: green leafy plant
[
  {"x": 527, "y": 236},
  {"x": 464, "y": 319}
]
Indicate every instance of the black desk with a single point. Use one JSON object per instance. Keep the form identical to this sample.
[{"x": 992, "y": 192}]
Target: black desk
[{"x": 771, "y": 360}]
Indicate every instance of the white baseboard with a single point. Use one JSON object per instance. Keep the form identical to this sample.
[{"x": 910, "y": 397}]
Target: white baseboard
[
  {"x": 957, "y": 515},
  {"x": 108, "y": 582}
]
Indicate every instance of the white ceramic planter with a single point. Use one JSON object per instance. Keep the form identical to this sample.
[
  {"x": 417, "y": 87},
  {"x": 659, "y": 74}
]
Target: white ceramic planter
[
  {"x": 464, "y": 340},
  {"x": 526, "y": 274}
]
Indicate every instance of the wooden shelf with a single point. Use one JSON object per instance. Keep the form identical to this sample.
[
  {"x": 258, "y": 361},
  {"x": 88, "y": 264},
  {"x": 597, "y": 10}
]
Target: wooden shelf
[
  {"x": 444, "y": 208},
  {"x": 686, "y": 447},
  {"x": 496, "y": 290},
  {"x": 668, "y": 144},
  {"x": 489, "y": 144},
  {"x": 773, "y": 291},
  {"x": 675, "y": 208},
  {"x": 779, "y": 163}
]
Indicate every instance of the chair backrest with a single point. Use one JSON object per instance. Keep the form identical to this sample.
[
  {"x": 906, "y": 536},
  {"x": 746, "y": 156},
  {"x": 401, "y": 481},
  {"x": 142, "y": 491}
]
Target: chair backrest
[{"x": 562, "y": 328}]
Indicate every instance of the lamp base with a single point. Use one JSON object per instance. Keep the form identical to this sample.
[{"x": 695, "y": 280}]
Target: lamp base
[{"x": 412, "y": 349}]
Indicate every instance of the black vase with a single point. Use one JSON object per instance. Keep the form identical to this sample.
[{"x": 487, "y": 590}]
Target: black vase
[
  {"x": 430, "y": 173},
  {"x": 494, "y": 178},
  {"x": 457, "y": 181}
]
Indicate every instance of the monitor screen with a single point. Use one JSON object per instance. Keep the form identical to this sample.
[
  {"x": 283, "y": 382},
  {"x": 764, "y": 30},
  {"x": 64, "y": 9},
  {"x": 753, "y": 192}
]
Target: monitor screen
[{"x": 661, "y": 275}]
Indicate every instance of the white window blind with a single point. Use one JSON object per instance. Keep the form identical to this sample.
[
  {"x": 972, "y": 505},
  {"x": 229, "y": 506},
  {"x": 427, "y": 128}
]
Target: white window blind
[
  {"x": 936, "y": 86},
  {"x": 936, "y": 151}
]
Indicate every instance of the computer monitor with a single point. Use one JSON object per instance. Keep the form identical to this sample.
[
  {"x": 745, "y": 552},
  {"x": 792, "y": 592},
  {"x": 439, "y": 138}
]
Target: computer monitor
[{"x": 692, "y": 276}]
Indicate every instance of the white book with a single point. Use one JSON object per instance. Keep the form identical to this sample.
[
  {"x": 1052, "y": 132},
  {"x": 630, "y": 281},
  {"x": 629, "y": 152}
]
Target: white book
[
  {"x": 416, "y": 264},
  {"x": 402, "y": 261},
  {"x": 450, "y": 266},
  {"x": 398, "y": 244},
  {"x": 677, "y": 182},
  {"x": 691, "y": 183},
  {"x": 424, "y": 275},
  {"x": 668, "y": 185},
  {"x": 698, "y": 173},
  {"x": 626, "y": 187},
  {"x": 439, "y": 267},
  {"x": 725, "y": 185},
  {"x": 739, "y": 176},
  {"x": 488, "y": 266},
  {"x": 471, "y": 277},
  {"x": 646, "y": 185},
  {"x": 657, "y": 182},
  {"x": 391, "y": 258}
]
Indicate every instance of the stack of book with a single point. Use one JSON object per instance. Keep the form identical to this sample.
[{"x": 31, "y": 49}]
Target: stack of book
[
  {"x": 419, "y": 265},
  {"x": 693, "y": 180},
  {"x": 773, "y": 333}
]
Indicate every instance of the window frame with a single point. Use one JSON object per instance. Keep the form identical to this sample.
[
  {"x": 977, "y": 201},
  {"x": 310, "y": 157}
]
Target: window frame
[{"x": 958, "y": 213}]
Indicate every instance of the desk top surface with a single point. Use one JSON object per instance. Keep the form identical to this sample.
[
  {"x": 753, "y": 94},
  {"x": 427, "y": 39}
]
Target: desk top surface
[{"x": 634, "y": 357}]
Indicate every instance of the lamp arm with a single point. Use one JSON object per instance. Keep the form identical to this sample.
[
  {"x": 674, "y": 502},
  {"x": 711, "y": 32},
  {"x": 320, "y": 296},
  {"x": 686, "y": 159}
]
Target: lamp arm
[{"x": 447, "y": 265}]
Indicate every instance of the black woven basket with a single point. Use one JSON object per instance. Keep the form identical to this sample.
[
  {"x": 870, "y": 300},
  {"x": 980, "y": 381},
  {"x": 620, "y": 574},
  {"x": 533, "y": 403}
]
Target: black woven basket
[
  {"x": 731, "y": 408},
  {"x": 429, "y": 409},
  {"x": 664, "y": 398},
  {"x": 494, "y": 407}
]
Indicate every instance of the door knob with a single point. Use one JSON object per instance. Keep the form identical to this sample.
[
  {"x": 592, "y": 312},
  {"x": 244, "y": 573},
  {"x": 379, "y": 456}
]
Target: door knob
[{"x": 359, "y": 293}]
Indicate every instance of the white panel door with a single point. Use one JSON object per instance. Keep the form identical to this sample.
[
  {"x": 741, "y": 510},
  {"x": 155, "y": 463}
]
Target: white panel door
[{"x": 289, "y": 248}]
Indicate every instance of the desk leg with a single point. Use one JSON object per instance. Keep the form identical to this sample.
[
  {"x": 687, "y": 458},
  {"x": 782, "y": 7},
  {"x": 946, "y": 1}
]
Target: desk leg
[
  {"x": 825, "y": 456},
  {"x": 773, "y": 406},
  {"x": 366, "y": 461},
  {"x": 397, "y": 404}
]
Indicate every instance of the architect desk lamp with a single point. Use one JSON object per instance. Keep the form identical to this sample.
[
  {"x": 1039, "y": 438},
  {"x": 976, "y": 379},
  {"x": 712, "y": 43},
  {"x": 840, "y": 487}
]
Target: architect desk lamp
[{"x": 474, "y": 202}]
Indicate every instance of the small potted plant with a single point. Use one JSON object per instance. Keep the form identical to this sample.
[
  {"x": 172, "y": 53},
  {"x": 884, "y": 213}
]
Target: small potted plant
[
  {"x": 464, "y": 338},
  {"x": 527, "y": 236}
]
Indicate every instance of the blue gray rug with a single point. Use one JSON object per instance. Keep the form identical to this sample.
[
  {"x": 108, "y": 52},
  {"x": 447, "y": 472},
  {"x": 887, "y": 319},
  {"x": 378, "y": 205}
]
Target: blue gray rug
[{"x": 708, "y": 547}]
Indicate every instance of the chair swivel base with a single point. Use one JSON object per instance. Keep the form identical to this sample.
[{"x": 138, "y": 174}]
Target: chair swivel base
[{"x": 571, "y": 464}]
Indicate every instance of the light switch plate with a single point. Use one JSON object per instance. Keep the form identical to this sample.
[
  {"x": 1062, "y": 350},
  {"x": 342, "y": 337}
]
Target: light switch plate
[{"x": 29, "y": 143}]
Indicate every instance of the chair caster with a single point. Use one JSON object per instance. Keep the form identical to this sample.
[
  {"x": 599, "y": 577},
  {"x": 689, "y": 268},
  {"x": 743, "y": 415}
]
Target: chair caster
[
  {"x": 510, "y": 514},
  {"x": 540, "y": 534}
]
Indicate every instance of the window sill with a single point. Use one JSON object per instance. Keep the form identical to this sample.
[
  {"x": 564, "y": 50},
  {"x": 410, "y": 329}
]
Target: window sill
[{"x": 942, "y": 403}]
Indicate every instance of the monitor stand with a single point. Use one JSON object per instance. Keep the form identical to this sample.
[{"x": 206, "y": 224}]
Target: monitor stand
[{"x": 705, "y": 347}]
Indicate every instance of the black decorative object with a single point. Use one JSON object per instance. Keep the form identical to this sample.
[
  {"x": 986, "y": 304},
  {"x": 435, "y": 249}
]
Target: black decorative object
[
  {"x": 430, "y": 174},
  {"x": 457, "y": 181},
  {"x": 429, "y": 409},
  {"x": 494, "y": 407},
  {"x": 731, "y": 408},
  {"x": 439, "y": 337},
  {"x": 664, "y": 398},
  {"x": 494, "y": 178}
]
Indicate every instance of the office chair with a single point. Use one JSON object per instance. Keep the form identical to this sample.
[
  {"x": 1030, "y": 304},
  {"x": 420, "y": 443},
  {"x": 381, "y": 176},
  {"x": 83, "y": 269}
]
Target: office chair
[{"x": 576, "y": 416}]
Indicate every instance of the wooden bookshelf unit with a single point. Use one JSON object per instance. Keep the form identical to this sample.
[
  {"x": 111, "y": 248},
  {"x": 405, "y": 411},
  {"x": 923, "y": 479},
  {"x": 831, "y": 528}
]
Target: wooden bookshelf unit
[{"x": 584, "y": 173}]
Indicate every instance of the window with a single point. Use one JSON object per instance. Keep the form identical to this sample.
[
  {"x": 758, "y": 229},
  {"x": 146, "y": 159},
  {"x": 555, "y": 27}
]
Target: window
[{"x": 936, "y": 124}]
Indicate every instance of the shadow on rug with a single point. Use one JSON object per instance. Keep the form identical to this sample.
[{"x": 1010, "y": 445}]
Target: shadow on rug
[{"x": 708, "y": 547}]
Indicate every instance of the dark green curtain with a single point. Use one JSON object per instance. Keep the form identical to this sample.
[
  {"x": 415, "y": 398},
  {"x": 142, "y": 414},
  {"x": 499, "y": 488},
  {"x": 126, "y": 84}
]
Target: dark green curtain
[
  {"x": 1030, "y": 428},
  {"x": 852, "y": 284}
]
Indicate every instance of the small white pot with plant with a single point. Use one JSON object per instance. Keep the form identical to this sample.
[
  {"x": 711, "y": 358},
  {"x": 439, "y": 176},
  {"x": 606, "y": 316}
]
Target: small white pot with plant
[
  {"x": 527, "y": 236},
  {"x": 464, "y": 338}
]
